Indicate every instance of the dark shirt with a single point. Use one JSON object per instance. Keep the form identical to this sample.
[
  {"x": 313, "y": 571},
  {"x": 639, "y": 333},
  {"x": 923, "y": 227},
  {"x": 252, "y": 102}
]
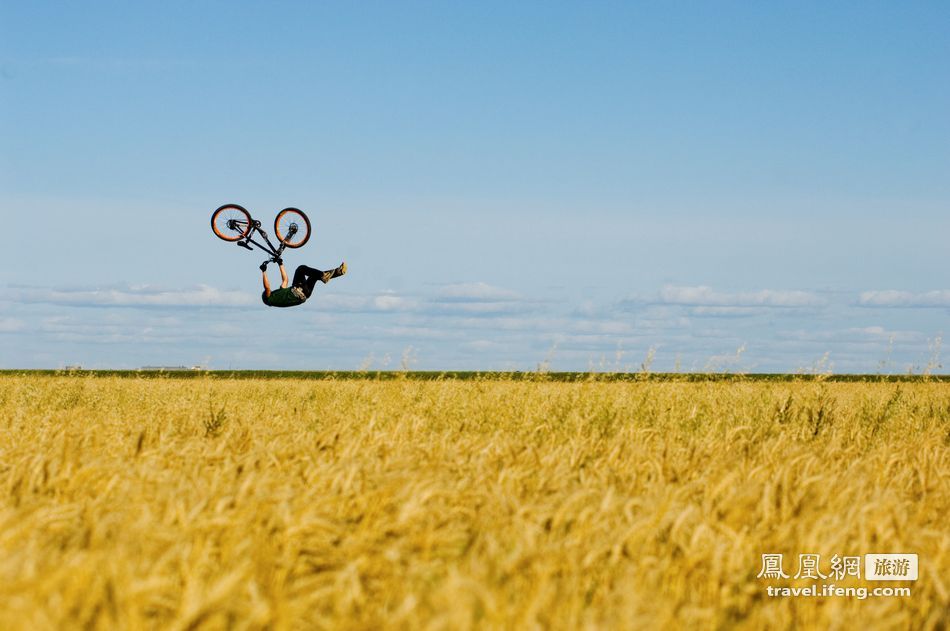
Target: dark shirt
[{"x": 284, "y": 297}]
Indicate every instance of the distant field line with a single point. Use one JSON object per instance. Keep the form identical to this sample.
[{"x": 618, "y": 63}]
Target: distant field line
[{"x": 418, "y": 375}]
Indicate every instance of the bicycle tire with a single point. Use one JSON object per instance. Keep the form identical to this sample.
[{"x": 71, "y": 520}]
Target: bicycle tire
[
  {"x": 227, "y": 222},
  {"x": 282, "y": 223}
]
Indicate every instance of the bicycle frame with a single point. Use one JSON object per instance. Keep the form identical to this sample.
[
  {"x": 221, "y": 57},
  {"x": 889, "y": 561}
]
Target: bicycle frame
[{"x": 269, "y": 248}]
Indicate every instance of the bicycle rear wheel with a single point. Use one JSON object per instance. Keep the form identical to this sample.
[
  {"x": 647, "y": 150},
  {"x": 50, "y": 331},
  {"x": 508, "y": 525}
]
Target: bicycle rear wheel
[
  {"x": 231, "y": 222},
  {"x": 292, "y": 227}
]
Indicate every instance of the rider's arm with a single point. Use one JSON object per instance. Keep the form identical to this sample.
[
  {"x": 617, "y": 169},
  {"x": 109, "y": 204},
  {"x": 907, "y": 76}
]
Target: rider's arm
[
  {"x": 266, "y": 283},
  {"x": 283, "y": 277}
]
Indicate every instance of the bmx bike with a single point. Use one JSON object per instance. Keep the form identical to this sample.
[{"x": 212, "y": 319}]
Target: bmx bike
[{"x": 234, "y": 224}]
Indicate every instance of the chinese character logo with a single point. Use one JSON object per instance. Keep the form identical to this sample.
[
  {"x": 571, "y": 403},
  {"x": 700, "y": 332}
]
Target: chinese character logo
[
  {"x": 772, "y": 567},
  {"x": 847, "y": 566},
  {"x": 808, "y": 566}
]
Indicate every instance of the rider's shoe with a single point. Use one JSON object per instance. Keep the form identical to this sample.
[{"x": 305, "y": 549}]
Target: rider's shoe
[{"x": 333, "y": 273}]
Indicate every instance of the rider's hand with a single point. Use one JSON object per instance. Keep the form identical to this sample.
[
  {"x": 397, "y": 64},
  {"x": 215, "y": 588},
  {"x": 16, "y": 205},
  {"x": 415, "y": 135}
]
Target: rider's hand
[
  {"x": 264, "y": 266},
  {"x": 279, "y": 261}
]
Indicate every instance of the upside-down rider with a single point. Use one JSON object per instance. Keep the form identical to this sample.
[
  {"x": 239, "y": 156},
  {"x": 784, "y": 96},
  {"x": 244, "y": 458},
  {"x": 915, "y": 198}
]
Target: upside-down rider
[{"x": 305, "y": 279}]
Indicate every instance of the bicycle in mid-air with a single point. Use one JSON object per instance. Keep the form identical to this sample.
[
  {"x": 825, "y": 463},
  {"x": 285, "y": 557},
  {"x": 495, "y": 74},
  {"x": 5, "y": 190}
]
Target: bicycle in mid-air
[{"x": 234, "y": 223}]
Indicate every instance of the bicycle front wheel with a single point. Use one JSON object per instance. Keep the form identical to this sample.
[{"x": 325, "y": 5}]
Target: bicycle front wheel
[
  {"x": 231, "y": 222},
  {"x": 292, "y": 227}
]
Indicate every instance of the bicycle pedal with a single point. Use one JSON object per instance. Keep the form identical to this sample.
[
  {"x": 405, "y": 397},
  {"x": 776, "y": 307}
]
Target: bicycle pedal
[{"x": 244, "y": 244}]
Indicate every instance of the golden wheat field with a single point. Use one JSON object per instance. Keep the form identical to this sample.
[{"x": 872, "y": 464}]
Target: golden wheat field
[{"x": 363, "y": 504}]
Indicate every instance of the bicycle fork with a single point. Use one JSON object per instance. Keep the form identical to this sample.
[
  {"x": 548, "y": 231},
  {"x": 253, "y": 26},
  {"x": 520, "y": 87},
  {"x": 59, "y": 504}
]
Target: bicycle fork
[{"x": 270, "y": 249}]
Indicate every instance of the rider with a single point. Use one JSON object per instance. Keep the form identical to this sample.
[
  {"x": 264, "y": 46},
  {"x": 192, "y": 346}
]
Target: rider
[{"x": 305, "y": 279}]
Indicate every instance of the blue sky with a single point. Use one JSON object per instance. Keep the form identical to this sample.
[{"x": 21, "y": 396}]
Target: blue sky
[{"x": 719, "y": 186}]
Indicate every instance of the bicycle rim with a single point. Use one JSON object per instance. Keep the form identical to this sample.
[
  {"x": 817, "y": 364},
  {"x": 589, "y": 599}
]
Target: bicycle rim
[
  {"x": 231, "y": 222},
  {"x": 292, "y": 227}
]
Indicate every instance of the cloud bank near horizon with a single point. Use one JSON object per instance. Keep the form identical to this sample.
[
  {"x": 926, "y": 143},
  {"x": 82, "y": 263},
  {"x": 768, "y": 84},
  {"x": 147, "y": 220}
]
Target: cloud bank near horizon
[
  {"x": 474, "y": 326},
  {"x": 891, "y": 298}
]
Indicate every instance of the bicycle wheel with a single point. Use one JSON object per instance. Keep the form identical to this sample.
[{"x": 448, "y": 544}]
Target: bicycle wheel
[
  {"x": 231, "y": 222},
  {"x": 292, "y": 227}
]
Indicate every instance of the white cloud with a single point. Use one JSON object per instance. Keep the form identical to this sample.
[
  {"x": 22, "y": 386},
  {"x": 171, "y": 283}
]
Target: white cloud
[
  {"x": 139, "y": 296},
  {"x": 894, "y": 298},
  {"x": 476, "y": 292},
  {"x": 477, "y": 308},
  {"x": 728, "y": 312},
  {"x": 702, "y": 296},
  {"x": 877, "y": 334},
  {"x": 392, "y": 302},
  {"x": 483, "y": 346},
  {"x": 603, "y": 327},
  {"x": 387, "y": 301},
  {"x": 476, "y": 299},
  {"x": 472, "y": 299},
  {"x": 11, "y": 325}
]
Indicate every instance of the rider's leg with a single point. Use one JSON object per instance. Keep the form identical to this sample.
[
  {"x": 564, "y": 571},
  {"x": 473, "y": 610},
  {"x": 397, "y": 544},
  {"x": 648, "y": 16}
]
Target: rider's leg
[
  {"x": 306, "y": 278},
  {"x": 303, "y": 273}
]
